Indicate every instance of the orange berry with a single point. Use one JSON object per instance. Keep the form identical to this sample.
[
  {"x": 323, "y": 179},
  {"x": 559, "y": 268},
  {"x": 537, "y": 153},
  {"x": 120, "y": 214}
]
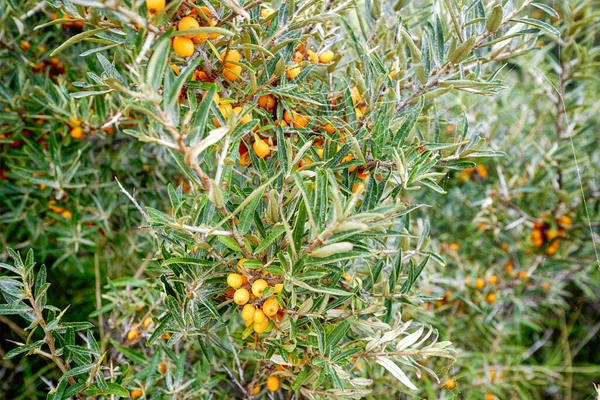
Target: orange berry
[
  {"x": 565, "y": 221},
  {"x": 297, "y": 58},
  {"x": 326, "y": 56},
  {"x": 67, "y": 214},
  {"x": 522, "y": 275},
  {"x": 450, "y": 384},
  {"x": 245, "y": 159},
  {"x": 175, "y": 69},
  {"x": 232, "y": 56},
  {"x": 74, "y": 121},
  {"x": 296, "y": 120},
  {"x": 491, "y": 298},
  {"x": 136, "y": 393},
  {"x": 270, "y": 307},
  {"x": 183, "y": 46},
  {"x": 328, "y": 128},
  {"x": 493, "y": 279},
  {"x": 479, "y": 283},
  {"x": 261, "y": 148},
  {"x": 349, "y": 158},
  {"x": 162, "y": 367},
  {"x": 188, "y": 23},
  {"x": 272, "y": 383},
  {"x": 232, "y": 72},
  {"x": 267, "y": 102},
  {"x": 76, "y": 133},
  {"x": 256, "y": 390}
]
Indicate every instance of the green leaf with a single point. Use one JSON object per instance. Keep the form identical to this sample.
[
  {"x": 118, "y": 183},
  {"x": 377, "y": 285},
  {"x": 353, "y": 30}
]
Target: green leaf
[
  {"x": 79, "y": 370},
  {"x": 111, "y": 389},
  {"x": 549, "y": 10},
  {"x": 275, "y": 233},
  {"x": 10, "y": 268},
  {"x": 158, "y": 61},
  {"x": 176, "y": 311},
  {"x": 230, "y": 243},
  {"x": 462, "y": 51},
  {"x": 325, "y": 290},
  {"x": 539, "y": 24},
  {"x": 135, "y": 356},
  {"x": 75, "y": 39},
  {"x": 247, "y": 214},
  {"x": 14, "y": 309},
  {"x": 337, "y": 334},
  {"x": 408, "y": 124},
  {"x": 172, "y": 93},
  {"x": 23, "y": 349}
]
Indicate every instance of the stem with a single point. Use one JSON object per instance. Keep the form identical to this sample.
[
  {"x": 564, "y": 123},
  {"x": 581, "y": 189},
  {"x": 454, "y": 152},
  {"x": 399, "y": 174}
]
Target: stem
[{"x": 49, "y": 339}]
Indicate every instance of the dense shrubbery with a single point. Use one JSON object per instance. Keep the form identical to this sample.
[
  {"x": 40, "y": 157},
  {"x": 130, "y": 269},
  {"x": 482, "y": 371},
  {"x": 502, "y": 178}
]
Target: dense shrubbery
[{"x": 342, "y": 198}]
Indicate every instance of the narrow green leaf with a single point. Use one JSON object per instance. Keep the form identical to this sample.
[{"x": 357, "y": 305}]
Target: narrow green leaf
[{"x": 75, "y": 39}]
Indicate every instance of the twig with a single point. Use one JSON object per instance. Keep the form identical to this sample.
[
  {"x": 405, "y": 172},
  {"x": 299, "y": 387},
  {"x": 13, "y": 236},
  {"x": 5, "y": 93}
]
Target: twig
[{"x": 135, "y": 203}]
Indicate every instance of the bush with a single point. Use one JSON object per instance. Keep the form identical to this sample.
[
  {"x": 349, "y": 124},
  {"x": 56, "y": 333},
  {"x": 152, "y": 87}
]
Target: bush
[{"x": 299, "y": 199}]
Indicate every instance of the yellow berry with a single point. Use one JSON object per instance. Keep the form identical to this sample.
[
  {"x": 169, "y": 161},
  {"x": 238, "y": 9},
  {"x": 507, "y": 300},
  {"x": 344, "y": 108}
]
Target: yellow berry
[
  {"x": 270, "y": 307},
  {"x": 241, "y": 296},
  {"x": 256, "y": 390},
  {"x": 132, "y": 334},
  {"x": 258, "y": 287},
  {"x": 248, "y": 312},
  {"x": 272, "y": 383},
  {"x": 259, "y": 317},
  {"x": 147, "y": 322},
  {"x": 293, "y": 72},
  {"x": 278, "y": 288},
  {"x": 449, "y": 383},
  {"x": 235, "y": 280},
  {"x": 67, "y": 214},
  {"x": 260, "y": 328},
  {"x": 155, "y": 6},
  {"x": 326, "y": 57},
  {"x": 312, "y": 56},
  {"x": 183, "y": 46}
]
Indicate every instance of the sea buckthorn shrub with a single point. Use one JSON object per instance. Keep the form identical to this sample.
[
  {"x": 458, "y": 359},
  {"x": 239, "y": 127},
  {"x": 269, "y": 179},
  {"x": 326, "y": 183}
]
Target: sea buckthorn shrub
[{"x": 269, "y": 232}]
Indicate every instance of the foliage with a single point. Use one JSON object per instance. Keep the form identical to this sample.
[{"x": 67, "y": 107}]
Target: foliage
[{"x": 368, "y": 174}]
